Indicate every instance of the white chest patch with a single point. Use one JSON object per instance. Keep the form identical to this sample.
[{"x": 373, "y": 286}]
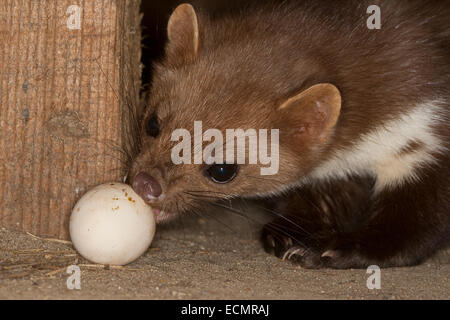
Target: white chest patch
[{"x": 379, "y": 153}]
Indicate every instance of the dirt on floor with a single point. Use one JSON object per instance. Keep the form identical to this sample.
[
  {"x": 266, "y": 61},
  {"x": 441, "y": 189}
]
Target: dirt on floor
[{"x": 200, "y": 258}]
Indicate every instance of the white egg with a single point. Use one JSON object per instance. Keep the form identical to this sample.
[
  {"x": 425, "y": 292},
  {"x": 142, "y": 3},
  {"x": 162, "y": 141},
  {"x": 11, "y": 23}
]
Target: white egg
[{"x": 112, "y": 225}]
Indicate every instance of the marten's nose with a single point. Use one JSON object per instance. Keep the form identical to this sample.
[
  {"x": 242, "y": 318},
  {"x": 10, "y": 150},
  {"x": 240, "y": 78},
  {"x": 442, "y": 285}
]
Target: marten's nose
[{"x": 147, "y": 187}]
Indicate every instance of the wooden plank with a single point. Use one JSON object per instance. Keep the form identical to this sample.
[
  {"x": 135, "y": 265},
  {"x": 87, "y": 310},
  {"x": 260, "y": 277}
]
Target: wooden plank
[{"x": 64, "y": 105}]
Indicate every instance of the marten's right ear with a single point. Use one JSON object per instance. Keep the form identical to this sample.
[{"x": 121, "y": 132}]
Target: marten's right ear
[
  {"x": 309, "y": 117},
  {"x": 183, "y": 34}
]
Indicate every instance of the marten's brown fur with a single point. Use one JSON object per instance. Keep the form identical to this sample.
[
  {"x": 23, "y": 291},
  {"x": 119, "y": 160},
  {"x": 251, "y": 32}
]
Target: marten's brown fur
[{"x": 369, "y": 187}]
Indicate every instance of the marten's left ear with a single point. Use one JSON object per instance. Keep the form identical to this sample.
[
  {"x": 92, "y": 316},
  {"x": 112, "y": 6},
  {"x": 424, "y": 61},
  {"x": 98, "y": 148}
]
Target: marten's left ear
[
  {"x": 311, "y": 115},
  {"x": 183, "y": 34}
]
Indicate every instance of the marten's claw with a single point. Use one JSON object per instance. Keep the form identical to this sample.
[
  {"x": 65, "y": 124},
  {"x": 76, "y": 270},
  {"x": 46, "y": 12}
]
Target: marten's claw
[{"x": 294, "y": 252}]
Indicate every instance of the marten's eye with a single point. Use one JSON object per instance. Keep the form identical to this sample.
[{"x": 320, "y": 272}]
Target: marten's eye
[
  {"x": 222, "y": 173},
  {"x": 152, "y": 126}
]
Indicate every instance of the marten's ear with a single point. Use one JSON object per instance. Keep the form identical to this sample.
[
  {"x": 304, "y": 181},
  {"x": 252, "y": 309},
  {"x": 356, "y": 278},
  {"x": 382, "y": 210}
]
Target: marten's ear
[
  {"x": 311, "y": 115},
  {"x": 183, "y": 35}
]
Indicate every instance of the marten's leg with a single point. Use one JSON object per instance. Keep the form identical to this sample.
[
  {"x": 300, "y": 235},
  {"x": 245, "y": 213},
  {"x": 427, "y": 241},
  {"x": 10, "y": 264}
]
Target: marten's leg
[
  {"x": 309, "y": 216},
  {"x": 328, "y": 227}
]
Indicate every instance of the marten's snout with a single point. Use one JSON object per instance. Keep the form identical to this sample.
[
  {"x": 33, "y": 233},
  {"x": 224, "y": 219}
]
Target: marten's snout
[{"x": 147, "y": 187}]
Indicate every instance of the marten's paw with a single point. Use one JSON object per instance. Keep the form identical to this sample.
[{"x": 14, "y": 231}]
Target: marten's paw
[
  {"x": 275, "y": 242},
  {"x": 295, "y": 247},
  {"x": 312, "y": 252}
]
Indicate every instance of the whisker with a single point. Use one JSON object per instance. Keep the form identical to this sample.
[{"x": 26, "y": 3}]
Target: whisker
[
  {"x": 274, "y": 226},
  {"x": 279, "y": 215},
  {"x": 201, "y": 211}
]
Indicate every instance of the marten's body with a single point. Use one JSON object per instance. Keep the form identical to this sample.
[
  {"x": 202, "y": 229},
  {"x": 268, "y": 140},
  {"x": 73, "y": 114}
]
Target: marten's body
[{"x": 363, "y": 117}]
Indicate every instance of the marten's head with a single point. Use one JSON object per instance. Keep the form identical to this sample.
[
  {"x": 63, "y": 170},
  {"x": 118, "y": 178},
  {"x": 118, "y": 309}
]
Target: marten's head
[{"x": 224, "y": 75}]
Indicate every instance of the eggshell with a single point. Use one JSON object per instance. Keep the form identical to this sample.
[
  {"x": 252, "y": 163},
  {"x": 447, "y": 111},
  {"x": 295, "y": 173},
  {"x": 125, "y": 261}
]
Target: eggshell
[{"x": 112, "y": 225}]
